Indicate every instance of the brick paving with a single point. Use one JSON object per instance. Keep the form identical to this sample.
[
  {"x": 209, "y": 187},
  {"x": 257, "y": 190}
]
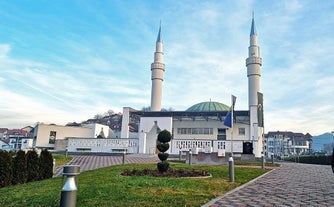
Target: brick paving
[
  {"x": 91, "y": 162},
  {"x": 292, "y": 184}
]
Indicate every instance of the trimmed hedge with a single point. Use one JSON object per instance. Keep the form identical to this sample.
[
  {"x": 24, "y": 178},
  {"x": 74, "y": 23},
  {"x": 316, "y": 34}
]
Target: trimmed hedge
[
  {"x": 22, "y": 167},
  {"x": 311, "y": 159}
]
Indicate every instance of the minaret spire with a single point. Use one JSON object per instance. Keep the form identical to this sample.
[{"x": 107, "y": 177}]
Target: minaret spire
[
  {"x": 157, "y": 74},
  {"x": 159, "y": 38},
  {"x": 253, "y": 28}
]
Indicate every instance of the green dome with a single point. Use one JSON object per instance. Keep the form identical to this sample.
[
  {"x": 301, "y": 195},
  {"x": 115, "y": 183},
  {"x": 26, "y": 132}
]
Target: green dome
[{"x": 209, "y": 106}]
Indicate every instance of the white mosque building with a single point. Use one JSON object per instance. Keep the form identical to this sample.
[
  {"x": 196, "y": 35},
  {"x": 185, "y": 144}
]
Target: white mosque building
[{"x": 201, "y": 127}]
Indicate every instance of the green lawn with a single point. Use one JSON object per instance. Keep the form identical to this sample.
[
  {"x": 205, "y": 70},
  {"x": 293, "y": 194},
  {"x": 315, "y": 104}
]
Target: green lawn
[
  {"x": 106, "y": 187},
  {"x": 61, "y": 159}
]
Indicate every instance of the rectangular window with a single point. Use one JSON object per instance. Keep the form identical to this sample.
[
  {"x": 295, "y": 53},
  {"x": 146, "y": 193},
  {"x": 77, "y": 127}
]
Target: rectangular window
[
  {"x": 206, "y": 130},
  {"x": 221, "y": 134},
  {"x": 52, "y": 137},
  {"x": 242, "y": 131},
  {"x": 194, "y": 130}
]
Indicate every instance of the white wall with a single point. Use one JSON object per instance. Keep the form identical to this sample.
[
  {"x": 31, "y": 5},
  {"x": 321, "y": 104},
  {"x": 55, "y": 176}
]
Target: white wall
[
  {"x": 42, "y": 133},
  {"x": 148, "y": 132}
]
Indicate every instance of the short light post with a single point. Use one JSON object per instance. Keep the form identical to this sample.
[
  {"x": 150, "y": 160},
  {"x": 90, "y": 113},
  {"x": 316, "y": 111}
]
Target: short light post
[
  {"x": 231, "y": 168},
  {"x": 190, "y": 156},
  {"x": 69, "y": 192},
  {"x": 272, "y": 158},
  {"x": 123, "y": 160},
  {"x": 66, "y": 151},
  {"x": 180, "y": 155},
  {"x": 54, "y": 165},
  {"x": 262, "y": 161}
]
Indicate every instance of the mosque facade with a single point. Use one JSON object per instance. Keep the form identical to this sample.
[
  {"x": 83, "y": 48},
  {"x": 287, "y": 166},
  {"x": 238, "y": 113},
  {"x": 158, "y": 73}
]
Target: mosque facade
[{"x": 201, "y": 127}]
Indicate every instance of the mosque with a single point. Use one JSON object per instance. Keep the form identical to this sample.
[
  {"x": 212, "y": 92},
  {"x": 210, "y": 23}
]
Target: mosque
[
  {"x": 208, "y": 127},
  {"x": 201, "y": 127}
]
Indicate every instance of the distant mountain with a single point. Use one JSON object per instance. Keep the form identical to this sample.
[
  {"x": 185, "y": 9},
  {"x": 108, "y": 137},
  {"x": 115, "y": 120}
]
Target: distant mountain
[{"x": 321, "y": 140}]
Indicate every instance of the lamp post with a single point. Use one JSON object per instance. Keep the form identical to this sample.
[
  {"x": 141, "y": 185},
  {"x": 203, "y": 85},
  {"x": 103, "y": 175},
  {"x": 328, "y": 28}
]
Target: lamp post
[{"x": 69, "y": 192}]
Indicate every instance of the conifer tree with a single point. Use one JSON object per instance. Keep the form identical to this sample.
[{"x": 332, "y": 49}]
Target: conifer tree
[
  {"x": 32, "y": 166},
  {"x": 20, "y": 168},
  {"x": 45, "y": 165},
  {"x": 5, "y": 168}
]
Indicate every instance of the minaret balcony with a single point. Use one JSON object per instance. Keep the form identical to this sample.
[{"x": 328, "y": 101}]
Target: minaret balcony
[
  {"x": 253, "y": 60},
  {"x": 158, "y": 65}
]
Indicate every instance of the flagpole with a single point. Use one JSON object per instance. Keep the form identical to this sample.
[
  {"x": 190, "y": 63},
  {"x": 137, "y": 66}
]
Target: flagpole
[{"x": 232, "y": 129}]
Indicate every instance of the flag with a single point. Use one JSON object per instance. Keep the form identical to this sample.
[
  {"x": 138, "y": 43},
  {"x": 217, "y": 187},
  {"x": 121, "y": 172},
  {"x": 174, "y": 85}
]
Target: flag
[
  {"x": 228, "y": 119},
  {"x": 260, "y": 109},
  {"x": 229, "y": 116}
]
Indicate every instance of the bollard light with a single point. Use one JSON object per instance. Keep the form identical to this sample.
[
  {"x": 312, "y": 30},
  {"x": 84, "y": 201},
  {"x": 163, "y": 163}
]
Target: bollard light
[
  {"x": 69, "y": 192},
  {"x": 123, "y": 160},
  {"x": 54, "y": 166},
  {"x": 190, "y": 155},
  {"x": 262, "y": 161},
  {"x": 231, "y": 168}
]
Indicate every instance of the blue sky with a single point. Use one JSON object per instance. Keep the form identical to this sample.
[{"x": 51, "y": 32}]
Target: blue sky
[{"x": 63, "y": 61}]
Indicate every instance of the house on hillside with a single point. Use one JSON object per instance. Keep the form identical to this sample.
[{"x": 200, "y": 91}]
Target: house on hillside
[
  {"x": 287, "y": 143},
  {"x": 20, "y": 139}
]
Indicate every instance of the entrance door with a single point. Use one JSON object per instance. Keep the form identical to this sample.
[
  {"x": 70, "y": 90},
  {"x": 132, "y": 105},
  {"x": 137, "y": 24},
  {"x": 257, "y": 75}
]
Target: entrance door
[{"x": 247, "y": 148}]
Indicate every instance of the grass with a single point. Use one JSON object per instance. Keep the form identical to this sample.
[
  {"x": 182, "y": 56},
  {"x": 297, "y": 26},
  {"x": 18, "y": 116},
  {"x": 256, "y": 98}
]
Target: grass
[
  {"x": 61, "y": 159},
  {"x": 106, "y": 187}
]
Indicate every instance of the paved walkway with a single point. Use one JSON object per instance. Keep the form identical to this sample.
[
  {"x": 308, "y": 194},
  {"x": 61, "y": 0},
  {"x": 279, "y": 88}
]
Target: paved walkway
[
  {"x": 292, "y": 184},
  {"x": 88, "y": 162}
]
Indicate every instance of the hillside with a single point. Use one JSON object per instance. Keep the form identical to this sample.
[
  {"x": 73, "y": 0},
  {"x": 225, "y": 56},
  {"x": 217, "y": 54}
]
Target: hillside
[{"x": 320, "y": 141}]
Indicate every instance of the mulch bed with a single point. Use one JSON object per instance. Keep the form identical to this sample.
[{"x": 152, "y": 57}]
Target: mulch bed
[{"x": 170, "y": 173}]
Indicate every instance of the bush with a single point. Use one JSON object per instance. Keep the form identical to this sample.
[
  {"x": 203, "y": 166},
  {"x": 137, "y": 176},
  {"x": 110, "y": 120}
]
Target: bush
[
  {"x": 45, "y": 165},
  {"x": 311, "y": 159},
  {"x": 6, "y": 172},
  {"x": 163, "y": 147},
  {"x": 163, "y": 166},
  {"x": 163, "y": 156},
  {"x": 163, "y": 138},
  {"x": 32, "y": 166},
  {"x": 19, "y": 168}
]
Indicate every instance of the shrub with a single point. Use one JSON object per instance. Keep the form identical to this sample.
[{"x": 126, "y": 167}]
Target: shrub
[
  {"x": 32, "y": 166},
  {"x": 163, "y": 166},
  {"x": 19, "y": 168},
  {"x": 5, "y": 168},
  {"x": 311, "y": 159},
  {"x": 45, "y": 165},
  {"x": 163, "y": 138},
  {"x": 163, "y": 156}
]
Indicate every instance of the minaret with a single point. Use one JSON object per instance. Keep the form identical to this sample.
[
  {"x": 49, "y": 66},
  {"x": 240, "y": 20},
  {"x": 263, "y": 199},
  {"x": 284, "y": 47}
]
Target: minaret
[
  {"x": 157, "y": 74},
  {"x": 253, "y": 64}
]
